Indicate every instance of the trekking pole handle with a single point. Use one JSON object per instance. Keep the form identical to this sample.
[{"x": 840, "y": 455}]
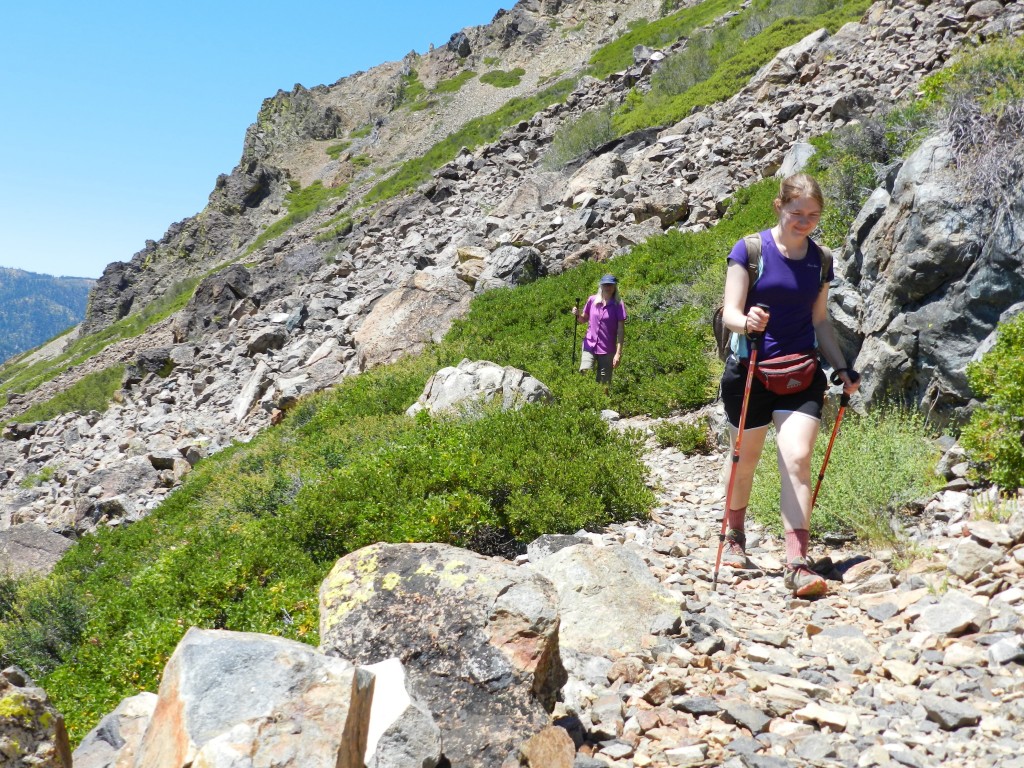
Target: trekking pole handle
[
  {"x": 755, "y": 336},
  {"x": 854, "y": 376}
]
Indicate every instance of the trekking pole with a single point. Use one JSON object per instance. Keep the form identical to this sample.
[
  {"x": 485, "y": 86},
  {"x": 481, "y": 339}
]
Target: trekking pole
[
  {"x": 752, "y": 339},
  {"x": 575, "y": 325},
  {"x": 843, "y": 402}
]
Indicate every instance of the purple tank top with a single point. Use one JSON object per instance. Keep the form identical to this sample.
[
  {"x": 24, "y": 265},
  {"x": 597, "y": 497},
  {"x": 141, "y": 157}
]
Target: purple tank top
[{"x": 789, "y": 288}]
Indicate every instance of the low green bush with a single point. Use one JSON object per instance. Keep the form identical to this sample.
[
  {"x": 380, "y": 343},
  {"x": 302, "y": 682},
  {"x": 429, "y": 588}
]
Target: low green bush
[
  {"x": 880, "y": 461},
  {"x": 42, "y": 624},
  {"x": 574, "y": 139},
  {"x": 478, "y": 131},
  {"x": 618, "y": 54},
  {"x": 454, "y": 84},
  {"x": 334, "y": 151},
  {"x": 993, "y": 436},
  {"x": 361, "y": 132},
  {"x": 302, "y": 203},
  {"x": 688, "y": 438},
  {"x": 501, "y": 79},
  {"x": 92, "y": 392}
]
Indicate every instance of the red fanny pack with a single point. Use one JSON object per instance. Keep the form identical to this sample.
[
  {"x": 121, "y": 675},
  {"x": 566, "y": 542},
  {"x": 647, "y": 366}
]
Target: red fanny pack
[{"x": 788, "y": 374}]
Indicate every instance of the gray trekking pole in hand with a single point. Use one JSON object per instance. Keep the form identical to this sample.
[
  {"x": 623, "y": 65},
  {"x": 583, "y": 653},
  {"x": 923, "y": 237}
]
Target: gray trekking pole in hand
[
  {"x": 575, "y": 324},
  {"x": 752, "y": 340}
]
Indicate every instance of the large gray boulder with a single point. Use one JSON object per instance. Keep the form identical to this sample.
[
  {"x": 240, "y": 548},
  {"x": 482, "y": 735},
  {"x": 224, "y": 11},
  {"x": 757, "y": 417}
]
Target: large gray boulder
[
  {"x": 473, "y": 383},
  {"x": 114, "y": 742},
  {"x": 234, "y": 700},
  {"x": 510, "y": 266},
  {"x": 30, "y": 549},
  {"x": 608, "y": 600},
  {"x": 32, "y": 732},
  {"x": 478, "y": 638},
  {"x": 211, "y": 304},
  {"x": 924, "y": 283},
  {"x": 408, "y": 318}
]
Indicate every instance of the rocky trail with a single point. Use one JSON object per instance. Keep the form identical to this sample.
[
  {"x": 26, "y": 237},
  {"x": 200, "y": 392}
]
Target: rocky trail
[{"x": 916, "y": 668}]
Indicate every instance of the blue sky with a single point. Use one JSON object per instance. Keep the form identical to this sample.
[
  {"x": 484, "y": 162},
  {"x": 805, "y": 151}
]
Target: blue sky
[{"x": 118, "y": 116}]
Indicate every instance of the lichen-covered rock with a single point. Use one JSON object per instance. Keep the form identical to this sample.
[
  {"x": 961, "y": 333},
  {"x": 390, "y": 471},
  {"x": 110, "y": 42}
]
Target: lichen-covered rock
[
  {"x": 478, "y": 638},
  {"x": 31, "y": 731}
]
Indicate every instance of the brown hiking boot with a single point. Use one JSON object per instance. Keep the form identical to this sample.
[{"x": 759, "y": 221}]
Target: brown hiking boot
[
  {"x": 802, "y": 581},
  {"x": 734, "y": 554}
]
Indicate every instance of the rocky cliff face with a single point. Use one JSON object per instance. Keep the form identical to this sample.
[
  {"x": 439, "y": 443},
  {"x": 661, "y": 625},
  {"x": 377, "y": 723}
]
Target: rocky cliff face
[{"x": 926, "y": 281}]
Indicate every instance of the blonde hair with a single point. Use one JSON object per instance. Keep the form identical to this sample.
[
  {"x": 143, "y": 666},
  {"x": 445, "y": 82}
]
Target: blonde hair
[{"x": 799, "y": 185}]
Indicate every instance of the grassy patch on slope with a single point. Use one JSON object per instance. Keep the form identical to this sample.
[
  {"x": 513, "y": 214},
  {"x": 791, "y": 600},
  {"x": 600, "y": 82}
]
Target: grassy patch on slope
[
  {"x": 302, "y": 203},
  {"x": 618, "y": 54},
  {"x": 90, "y": 393},
  {"x": 879, "y": 462},
  {"x": 21, "y": 376},
  {"x": 480, "y": 130},
  {"x": 718, "y": 65}
]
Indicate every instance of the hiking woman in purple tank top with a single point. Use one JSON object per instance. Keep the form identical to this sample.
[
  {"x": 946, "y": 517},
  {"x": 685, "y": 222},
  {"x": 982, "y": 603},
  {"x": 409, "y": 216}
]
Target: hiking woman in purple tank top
[{"x": 792, "y": 285}]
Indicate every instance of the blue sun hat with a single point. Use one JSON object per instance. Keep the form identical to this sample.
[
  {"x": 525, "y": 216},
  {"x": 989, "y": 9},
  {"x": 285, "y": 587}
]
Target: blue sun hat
[{"x": 609, "y": 280}]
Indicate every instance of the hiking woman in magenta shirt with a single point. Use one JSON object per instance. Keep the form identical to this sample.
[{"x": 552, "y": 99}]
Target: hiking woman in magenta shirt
[
  {"x": 606, "y": 317},
  {"x": 792, "y": 287}
]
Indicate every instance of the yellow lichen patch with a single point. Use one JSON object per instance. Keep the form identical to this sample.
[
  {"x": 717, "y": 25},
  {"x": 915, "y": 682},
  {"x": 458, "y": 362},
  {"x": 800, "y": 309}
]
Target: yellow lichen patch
[
  {"x": 425, "y": 569},
  {"x": 347, "y": 587},
  {"x": 390, "y": 581},
  {"x": 14, "y": 706},
  {"x": 452, "y": 579}
]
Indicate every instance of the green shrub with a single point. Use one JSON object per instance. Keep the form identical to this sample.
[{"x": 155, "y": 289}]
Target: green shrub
[
  {"x": 618, "y": 54},
  {"x": 574, "y": 139},
  {"x": 44, "y": 622},
  {"x": 880, "y": 461},
  {"x": 302, "y": 203},
  {"x": 410, "y": 89},
  {"x": 993, "y": 436},
  {"x": 501, "y": 79},
  {"x": 454, "y": 84},
  {"x": 478, "y": 131},
  {"x": 361, "y": 161},
  {"x": 735, "y": 53},
  {"x": 492, "y": 61},
  {"x": 361, "y": 132},
  {"x": 334, "y": 151},
  {"x": 36, "y": 479},
  {"x": 688, "y": 438},
  {"x": 92, "y": 392}
]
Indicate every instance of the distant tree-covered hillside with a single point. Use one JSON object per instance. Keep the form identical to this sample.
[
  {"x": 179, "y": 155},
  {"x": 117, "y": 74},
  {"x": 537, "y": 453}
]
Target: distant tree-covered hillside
[{"x": 34, "y": 308}]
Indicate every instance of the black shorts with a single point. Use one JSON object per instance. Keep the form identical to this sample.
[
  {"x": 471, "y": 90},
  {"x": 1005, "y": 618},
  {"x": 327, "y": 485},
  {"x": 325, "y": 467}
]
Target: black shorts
[{"x": 764, "y": 403}]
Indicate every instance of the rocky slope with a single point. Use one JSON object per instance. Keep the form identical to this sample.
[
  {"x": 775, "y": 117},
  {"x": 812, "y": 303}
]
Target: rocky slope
[
  {"x": 915, "y": 664},
  {"x": 303, "y": 313}
]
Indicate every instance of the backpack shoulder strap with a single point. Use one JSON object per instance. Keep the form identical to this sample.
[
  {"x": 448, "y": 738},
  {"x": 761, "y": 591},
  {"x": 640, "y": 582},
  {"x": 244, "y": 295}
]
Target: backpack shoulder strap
[
  {"x": 826, "y": 262},
  {"x": 753, "y": 246}
]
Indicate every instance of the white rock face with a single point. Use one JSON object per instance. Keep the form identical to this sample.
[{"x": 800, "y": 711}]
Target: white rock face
[{"x": 473, "y": 383}]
